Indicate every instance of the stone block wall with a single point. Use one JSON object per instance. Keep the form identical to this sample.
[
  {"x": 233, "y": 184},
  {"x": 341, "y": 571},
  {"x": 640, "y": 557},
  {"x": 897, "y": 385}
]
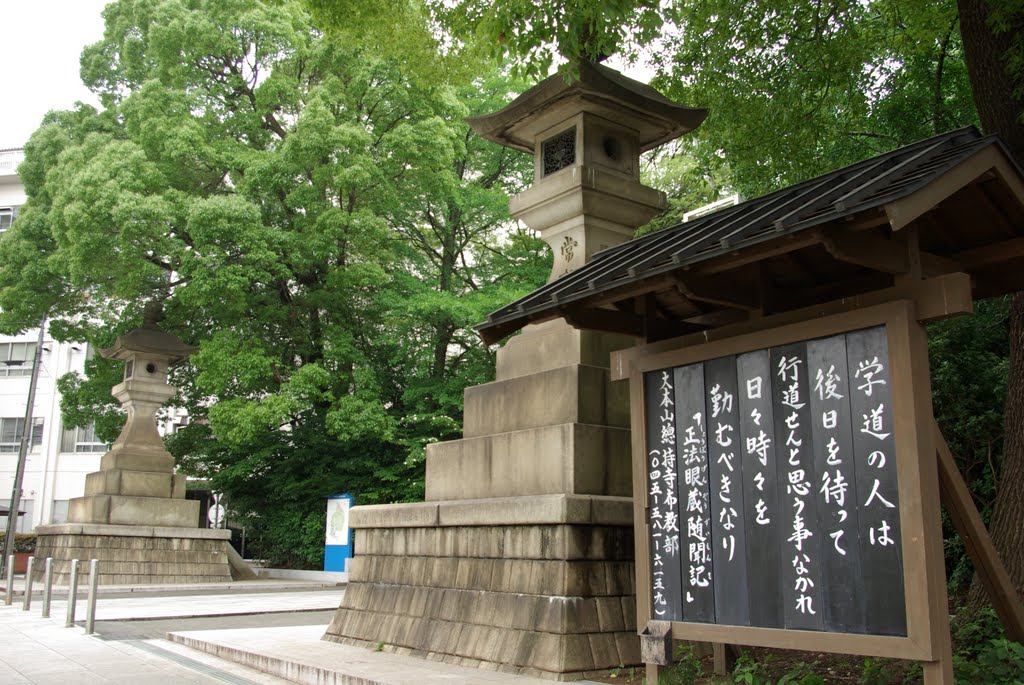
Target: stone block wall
[
  {"x": 553, "y": 597},
  {"x": 134, "y": 555}
]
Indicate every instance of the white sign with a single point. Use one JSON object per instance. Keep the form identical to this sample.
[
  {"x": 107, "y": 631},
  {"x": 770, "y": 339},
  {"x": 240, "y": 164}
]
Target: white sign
[
  {"x": 337, "y": 521},
  {"x": 216, "y": 515}
]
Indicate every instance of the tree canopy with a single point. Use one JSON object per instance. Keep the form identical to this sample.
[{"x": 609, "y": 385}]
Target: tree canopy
[
  {"x": 794, "y": 89},
  {"x": 322, "y": 226}
]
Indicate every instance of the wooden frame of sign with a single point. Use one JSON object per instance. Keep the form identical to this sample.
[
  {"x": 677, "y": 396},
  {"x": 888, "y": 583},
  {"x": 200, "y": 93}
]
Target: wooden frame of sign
[{"x": 812, "y": 617}]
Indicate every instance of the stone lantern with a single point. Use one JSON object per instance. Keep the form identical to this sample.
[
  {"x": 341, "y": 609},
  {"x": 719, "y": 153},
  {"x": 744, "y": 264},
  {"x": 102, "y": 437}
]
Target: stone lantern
[
  {"x": 523, "y": 548},
  {"x": 586, "y": 138},
  {"x": 136, "y": 483},
  {"x": 134, "y": 516}
]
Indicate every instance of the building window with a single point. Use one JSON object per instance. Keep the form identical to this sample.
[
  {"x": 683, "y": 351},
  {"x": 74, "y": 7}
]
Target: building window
[
  {"x": 82, "y": 440},
  {"x": 11, "y": 430},
  {"x": 24, "y": 524},
  {"x": 16, "y": 358},
  {"x": 59, "y": 514},
  {"x": 7, "y": 215}
]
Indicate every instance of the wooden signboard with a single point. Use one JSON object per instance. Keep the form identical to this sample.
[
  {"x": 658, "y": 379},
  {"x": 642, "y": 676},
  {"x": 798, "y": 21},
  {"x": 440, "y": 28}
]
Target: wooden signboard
[{"x": 791, "y": 489}]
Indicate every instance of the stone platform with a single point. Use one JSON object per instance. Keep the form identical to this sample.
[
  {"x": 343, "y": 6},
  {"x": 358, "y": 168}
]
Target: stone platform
[
  {"x": 540, "y": 586},
  {"x": 135, "y": 554}
]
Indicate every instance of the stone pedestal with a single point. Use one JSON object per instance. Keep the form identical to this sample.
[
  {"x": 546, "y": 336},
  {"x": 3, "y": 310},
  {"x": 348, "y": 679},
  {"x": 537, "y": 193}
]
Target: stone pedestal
[
  {"x": 521, "y": 559},
  {"x": 135, "y": 555}
]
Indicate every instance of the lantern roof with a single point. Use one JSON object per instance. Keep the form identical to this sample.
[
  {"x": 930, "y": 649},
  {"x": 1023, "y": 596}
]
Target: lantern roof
[{"x": 599, "y": 90}]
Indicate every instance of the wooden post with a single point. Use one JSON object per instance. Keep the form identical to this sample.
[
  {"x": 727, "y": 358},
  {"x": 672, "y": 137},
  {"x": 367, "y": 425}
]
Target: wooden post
[
  {"x": 965, "y": 517},
  {"x": 724, "y": 658},
  {"x": 656, "y": 648},
  {"x": 938, "y": 671}
]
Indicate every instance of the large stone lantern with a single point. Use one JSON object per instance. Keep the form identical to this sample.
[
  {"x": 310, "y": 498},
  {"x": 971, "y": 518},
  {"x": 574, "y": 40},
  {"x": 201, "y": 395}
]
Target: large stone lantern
[
  {"x": 134, "y": 516},
  {"x": 522, "y": 556}
]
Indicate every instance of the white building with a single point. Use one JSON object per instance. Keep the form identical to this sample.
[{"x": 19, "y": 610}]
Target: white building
[{"x": 58, "y": 460}]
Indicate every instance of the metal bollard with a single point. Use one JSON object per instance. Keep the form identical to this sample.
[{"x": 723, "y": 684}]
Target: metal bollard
[
  {"x": 72, "y": 594},
  {"x": 9, "y": 596},
  {"x": 90, "y": 608},
  {"x": 26, "y": 601},
  {"x": 47, "y": 586}
]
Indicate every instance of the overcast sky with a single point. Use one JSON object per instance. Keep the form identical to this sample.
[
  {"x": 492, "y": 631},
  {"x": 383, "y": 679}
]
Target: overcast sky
[
  {"x": 42, "y": 42},
  {"x": 39, "y": 54}
]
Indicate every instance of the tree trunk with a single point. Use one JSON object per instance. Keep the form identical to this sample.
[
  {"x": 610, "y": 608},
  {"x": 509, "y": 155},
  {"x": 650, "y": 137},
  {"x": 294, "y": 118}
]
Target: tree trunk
[
  {"x": 1005, "y": 524},
  {"x": 991, "y": 83},
  {"x": 999, "y": 111}
]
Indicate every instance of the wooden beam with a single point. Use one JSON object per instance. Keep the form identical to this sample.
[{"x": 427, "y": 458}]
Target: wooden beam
[
  {"x": 934, "y": 298},
  {"x": 721, "y": 292},
  {"x": 905, "y": 210},
  {"x": 862, "y": 250},
  {"x": 862, "y": 221},
  {"x": 605, "y": 320},
  {"x": 493, "y": 335},
  {"x": 632, "y": 289},
  {"x": 956, "y": 497},
  {"x": 1004, "y": 282},
  {"x": 991, "y": 254},
  {"x": 882, "y": 255},
  {"x": 722, "y": 317},
  {"x": 864, "y": 282}
]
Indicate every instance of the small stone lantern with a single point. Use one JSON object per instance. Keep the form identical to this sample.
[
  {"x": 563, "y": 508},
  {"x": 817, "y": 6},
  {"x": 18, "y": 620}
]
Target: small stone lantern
[{"x": 136, "y": 483}]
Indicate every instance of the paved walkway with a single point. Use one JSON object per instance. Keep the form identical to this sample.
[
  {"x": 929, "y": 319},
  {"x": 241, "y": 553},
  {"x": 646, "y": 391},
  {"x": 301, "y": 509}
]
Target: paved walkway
[
  {"x": 38, "y": 651},
  {"x": 244, "y": 637}
]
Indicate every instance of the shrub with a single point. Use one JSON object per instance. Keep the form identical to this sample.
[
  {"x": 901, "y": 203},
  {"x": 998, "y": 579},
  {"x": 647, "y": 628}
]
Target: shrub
[
  {"x": 685, "y": 670},
  {"x": 23, "y": 542},
  {"x": 1000, "y": 662}
]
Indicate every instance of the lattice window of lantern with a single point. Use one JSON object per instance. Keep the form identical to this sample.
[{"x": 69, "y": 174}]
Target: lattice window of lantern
[{"x": 559, "y": 151}]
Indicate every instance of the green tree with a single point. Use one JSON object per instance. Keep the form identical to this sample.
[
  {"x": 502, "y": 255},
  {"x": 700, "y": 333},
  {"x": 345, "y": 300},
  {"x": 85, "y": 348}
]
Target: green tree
[
  {"x": 267, "y": 184},
  {"x": 794, "y": 89}
]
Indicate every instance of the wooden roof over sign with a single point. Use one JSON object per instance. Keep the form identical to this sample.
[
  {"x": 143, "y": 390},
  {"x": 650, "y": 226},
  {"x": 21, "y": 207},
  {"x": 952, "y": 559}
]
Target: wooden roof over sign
[{"x": 948, "y": 204}]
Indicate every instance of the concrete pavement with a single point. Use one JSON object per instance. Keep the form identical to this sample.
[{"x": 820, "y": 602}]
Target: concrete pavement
[
  {"x": 38, "y": 651},
  {"x": 255, "y": 633}
]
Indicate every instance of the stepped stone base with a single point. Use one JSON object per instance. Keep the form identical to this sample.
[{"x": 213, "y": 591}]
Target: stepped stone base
[
  {"x": 531, "y": 462},
  {"x": 127, "y": 510},
  {"x": 539, "y": 586},
  {"x": 135, "y": 554}
]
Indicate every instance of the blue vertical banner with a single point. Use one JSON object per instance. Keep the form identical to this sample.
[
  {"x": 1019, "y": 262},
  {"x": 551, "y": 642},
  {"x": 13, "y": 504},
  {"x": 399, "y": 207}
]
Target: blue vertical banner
[{"x": 338, "y": 538}]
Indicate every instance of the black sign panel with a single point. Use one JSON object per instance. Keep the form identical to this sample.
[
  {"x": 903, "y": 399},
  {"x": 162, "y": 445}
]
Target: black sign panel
[
  {"x": 761, "y": 510},
  {"x": 836, "y": 486},
  {"x": 694, "y": 496},
  {"x": 725, "y": 464},
  {"x": 874, "y": 450},
  {"x": 772, "y": 489},
  {"x": 662, "y": 496},
  {"x": 801, "y": 561}
]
